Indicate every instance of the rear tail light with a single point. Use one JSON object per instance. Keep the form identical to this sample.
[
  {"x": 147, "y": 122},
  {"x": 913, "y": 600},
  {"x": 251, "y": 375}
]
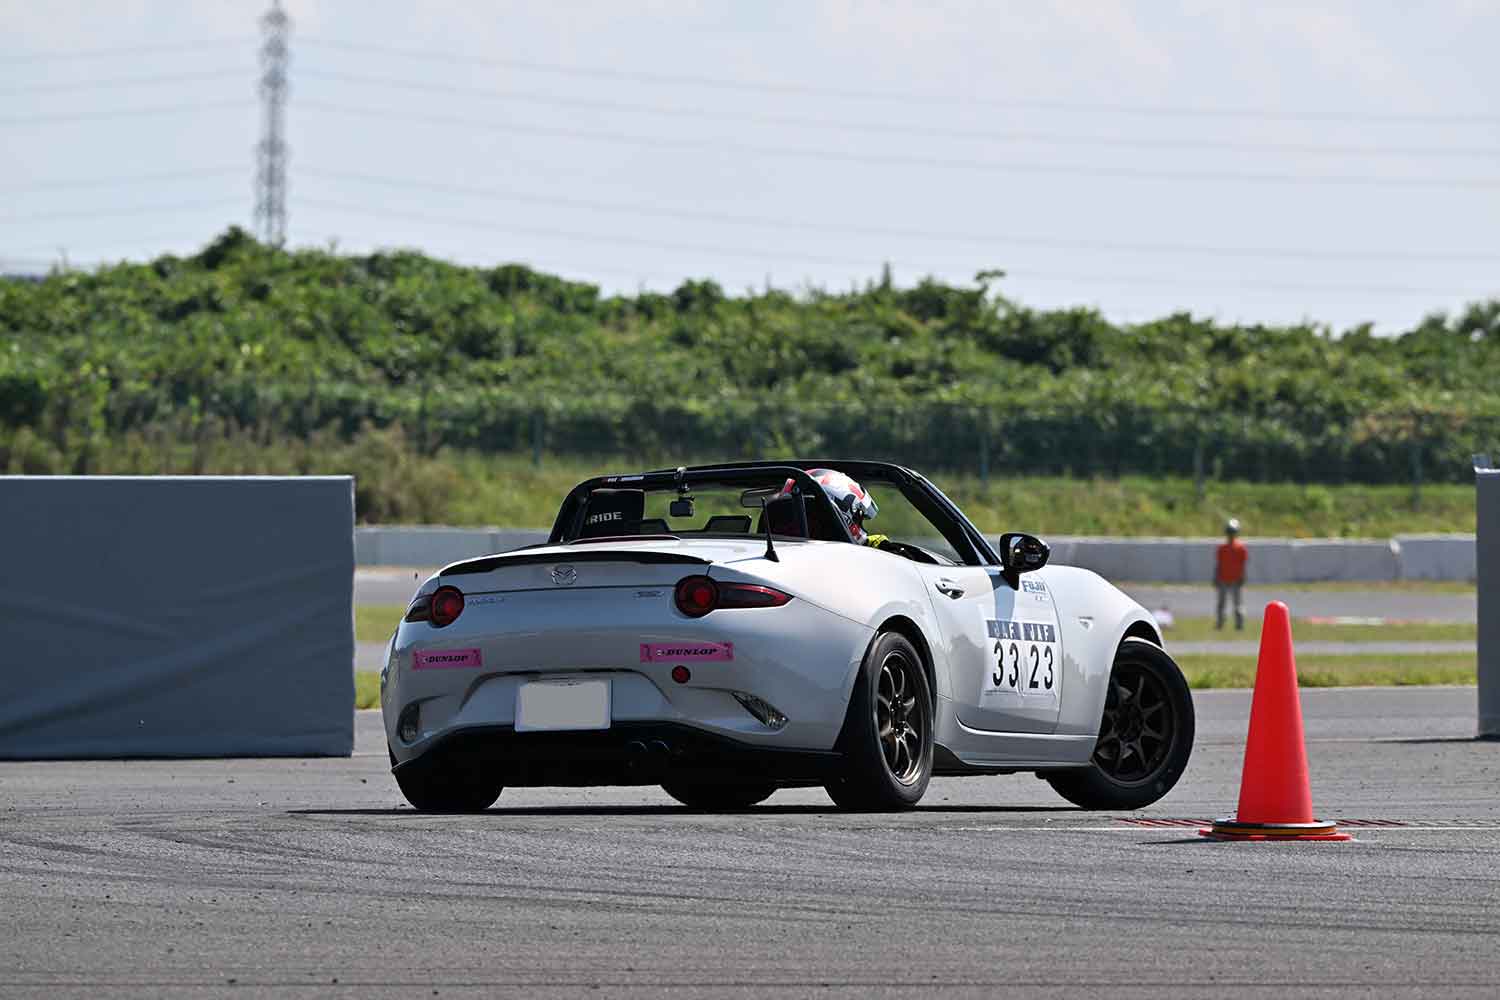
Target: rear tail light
[
  {"x": 696, "y": 596},
  {"x": 749, "y": 595},
  {"x": 447, "y": 605},
  {"x": 441, "y": 607}
]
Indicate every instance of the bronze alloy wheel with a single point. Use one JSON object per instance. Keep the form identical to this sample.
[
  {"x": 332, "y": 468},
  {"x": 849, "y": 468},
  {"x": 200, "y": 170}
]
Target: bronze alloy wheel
[
  {"x": 902, "y": 719},
  {"x": 886, "y": 742}
]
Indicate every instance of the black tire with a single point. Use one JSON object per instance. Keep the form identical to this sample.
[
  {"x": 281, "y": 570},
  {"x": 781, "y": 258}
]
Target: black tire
[
  {"x": 443, "y": 788},
  {"x": 888, "y": 730},
  {"x": 1145, "y": 736},
  {"x": 720, "y": 797}
]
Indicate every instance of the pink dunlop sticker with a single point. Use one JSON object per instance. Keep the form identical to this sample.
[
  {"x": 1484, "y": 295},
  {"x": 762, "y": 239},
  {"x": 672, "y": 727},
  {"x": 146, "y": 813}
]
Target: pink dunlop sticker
[
  {"x": 445, "y": 659},
  {"x": 687, "y": 652}
]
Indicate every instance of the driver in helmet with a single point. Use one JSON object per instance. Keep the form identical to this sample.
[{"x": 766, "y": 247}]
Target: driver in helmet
[{"x": 854, "y": 505}]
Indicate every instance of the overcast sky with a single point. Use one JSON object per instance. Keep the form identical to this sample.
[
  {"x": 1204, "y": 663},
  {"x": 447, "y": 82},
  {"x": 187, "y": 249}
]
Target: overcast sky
[{"x": 1331, "y": 161}]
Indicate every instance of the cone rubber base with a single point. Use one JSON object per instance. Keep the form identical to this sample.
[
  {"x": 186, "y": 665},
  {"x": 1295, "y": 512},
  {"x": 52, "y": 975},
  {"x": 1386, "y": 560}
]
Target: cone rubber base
[{"x": 1232, "y": 829}]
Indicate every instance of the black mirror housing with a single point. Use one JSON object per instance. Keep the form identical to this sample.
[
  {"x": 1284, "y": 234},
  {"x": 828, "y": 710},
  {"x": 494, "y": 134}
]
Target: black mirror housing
[{"x": 1022, "y": 553}]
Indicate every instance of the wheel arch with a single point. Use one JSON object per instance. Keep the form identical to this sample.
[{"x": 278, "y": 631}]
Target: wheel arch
[
  {"x": 912, "y": 632},
  {"x": 1140, "y": 630}
]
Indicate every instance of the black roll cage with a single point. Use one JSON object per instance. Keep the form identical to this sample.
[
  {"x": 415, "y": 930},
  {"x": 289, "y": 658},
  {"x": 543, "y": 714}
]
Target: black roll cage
[{"x": 922, "y": 494}]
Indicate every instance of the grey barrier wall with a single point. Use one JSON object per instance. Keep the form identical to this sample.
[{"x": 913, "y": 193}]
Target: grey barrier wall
[
  {"x": 1437, "y": 557},
  {"x": 176, "y": 616},
  {"x": 1140, "y": 560},
  {"x": 431, "y": 545},
  {"x": 1488, "y": 509}
]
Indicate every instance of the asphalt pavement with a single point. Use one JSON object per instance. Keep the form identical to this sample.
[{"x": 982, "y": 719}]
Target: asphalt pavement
[{"x": 311, "y": 878}]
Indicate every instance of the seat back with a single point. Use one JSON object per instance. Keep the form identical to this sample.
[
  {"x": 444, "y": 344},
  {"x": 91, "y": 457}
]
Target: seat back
[{"x": 612, "y": 512}]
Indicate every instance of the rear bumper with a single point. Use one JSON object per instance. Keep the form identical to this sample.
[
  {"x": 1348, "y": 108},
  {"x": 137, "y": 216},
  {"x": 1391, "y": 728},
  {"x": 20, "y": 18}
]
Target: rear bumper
[
  {"x": 641, "y": 753},
  {"x": 799, "y": 658}
]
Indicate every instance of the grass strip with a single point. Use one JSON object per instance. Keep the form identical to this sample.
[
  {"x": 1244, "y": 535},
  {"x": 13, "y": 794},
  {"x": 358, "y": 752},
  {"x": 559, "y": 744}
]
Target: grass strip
[
  {"x": 376, "y": 622},
  {"x": 366, "y": 689},
  {"x": 1326, "y": 586},
  {"x": 1212, "y": 670},
  {"x": 1201, "y": 629}
]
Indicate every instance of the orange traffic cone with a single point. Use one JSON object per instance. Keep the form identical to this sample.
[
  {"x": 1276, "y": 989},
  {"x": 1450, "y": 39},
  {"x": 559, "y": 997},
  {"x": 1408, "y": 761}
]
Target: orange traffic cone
[{"x": 1275, "y": 797}]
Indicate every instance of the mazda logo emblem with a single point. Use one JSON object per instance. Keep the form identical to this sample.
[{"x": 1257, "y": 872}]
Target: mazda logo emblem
[{"x": 564, "y": 576}]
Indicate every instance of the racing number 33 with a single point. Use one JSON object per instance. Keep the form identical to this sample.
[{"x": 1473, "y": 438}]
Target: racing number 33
[{"x": 1025, "y": 658}]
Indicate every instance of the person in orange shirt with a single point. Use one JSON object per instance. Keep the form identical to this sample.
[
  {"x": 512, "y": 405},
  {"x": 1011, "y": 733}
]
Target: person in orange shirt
[{"x": 1229, "y": 573}]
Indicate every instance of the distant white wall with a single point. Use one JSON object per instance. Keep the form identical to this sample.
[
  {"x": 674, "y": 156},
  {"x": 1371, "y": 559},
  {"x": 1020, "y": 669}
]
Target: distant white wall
[
  {"x": 1140, "y": 560},
  {"x": 1438, "y": 557}
]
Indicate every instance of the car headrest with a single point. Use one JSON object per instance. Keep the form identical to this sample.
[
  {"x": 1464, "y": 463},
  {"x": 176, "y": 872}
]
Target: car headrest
[{"x": 612, "y": 512}]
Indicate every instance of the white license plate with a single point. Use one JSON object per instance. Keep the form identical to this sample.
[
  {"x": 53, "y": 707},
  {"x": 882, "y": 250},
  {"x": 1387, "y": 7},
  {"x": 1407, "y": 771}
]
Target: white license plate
[{"x": 542, "y": 705}]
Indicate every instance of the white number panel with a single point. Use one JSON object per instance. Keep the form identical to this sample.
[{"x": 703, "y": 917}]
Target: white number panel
[{"x": 1025, "y": 660}]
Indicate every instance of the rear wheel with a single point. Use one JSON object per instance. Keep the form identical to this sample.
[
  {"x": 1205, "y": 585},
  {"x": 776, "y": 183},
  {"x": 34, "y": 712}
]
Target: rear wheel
[
  {"x": 887, "y": 737},
  {"x": 717, "y": 797},
  {"x": 446, "y": 789},
  {"x": 1145, "y": 737}
]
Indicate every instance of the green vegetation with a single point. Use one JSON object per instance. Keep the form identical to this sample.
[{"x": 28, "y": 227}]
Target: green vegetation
[
  {"x": 409, "y": 372},
  {"x": 376, "y": 622},
  {"x": 1199, "y": 629},
  {"x": 1210, "y": 670},
  {"x": 366, "y": 689}
]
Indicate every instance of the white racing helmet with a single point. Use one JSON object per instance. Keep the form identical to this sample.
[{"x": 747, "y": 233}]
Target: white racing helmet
[{"x": 854, "y": 505}]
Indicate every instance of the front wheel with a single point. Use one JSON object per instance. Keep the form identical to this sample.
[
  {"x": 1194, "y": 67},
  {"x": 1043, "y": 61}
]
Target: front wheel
[
  {"x": 887, "y": 738},
  {"x": 1145, "y": 737},
  {"x": 718, "y": 797}
]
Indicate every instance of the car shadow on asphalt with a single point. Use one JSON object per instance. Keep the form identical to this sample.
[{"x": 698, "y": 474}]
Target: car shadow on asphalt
[{"x": 830, "y": 809}]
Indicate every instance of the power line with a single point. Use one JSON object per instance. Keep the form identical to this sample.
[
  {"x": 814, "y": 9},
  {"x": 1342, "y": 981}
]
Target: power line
[
  {"x": 152, "y": 241},
  {"x": 171, "y": 207},
  {"x": 859, "y": 229},
  {"x": 127, "y": 81},
  {"x": 126, "y": 50},
  {"x": 98, "y": 182},
  {"x": 891, "y": 159},
  {"x": 720, "y": 83},
  {"x": 163, "y": 109},
  {"x": 899, "y": 129},
  {"x": 719, "y": 249},
  {"x": 565, "y": 235}
]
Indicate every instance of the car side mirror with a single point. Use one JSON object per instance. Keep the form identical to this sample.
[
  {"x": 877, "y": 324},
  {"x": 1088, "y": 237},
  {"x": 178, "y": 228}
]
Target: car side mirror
[{"x": 1021, "y": 553}]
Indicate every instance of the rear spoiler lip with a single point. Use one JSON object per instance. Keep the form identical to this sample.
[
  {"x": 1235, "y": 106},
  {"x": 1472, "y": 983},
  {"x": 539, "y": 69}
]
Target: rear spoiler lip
[{"x": 487, "y": 563}]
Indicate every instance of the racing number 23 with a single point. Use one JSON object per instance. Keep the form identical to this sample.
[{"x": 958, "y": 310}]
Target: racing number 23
[{"x": 1025, "y": 657}]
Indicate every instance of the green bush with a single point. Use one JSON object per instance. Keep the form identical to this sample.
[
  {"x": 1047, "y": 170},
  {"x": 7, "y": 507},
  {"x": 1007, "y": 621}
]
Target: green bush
[{"x": 244, "y": 342}]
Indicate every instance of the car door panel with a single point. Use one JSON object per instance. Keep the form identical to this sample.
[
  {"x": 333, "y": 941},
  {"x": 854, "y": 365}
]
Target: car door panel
[{"x": 1003, "y": 648}]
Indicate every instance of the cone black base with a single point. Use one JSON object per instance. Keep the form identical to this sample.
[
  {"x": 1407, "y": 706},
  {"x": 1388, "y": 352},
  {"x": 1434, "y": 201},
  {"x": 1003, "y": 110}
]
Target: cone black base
[{"x": 1233, "y": 829}]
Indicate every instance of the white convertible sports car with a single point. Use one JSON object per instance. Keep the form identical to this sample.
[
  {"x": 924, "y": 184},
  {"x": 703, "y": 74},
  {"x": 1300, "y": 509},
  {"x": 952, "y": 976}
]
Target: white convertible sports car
[{"x": 717, "y": 631}]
